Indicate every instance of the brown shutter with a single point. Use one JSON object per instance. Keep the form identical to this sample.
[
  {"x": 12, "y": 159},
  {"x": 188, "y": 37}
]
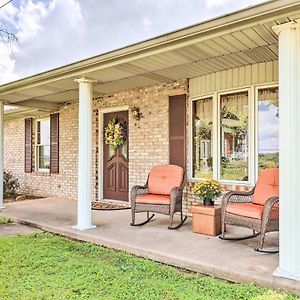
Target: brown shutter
[
  {"x": 28, "y": 145},
  {"x": 177, "y": 129},
  {"x": 54, "y": 143}
]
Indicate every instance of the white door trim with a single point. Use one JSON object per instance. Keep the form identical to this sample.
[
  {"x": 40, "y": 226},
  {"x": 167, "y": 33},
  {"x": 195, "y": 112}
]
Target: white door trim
[{"x": 101, "y": 112}]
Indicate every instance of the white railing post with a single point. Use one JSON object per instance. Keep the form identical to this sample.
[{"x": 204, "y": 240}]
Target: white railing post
[{"x": 85, "y": 143}]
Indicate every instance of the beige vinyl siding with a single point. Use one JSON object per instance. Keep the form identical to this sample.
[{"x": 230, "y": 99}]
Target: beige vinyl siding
[{"x": 266, "y": 72}]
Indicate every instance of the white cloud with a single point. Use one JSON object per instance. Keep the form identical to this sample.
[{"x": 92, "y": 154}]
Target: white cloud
[
  {"x": 52, "y": 33},
  {"x": 7, "y": 64},
  {"x": 29, "y": 20},
  {"x": 213, "y": 3}
]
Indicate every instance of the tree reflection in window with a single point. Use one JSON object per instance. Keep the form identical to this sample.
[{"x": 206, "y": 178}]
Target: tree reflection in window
[
  {"x": 234, "y": 136},
  {"x": 202, "y": 132}
]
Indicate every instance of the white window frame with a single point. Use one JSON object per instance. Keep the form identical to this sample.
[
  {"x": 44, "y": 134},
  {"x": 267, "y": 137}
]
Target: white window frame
[
  {"x": 37, "y": 169},
  {"x": 252, "y": 131}
]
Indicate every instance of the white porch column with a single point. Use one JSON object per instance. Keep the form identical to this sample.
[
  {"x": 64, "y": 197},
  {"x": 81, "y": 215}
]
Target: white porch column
[
  {"x": 85, "y": 143},
  {"x": 289, "y": 149},
  {"x": 1, "y": 152}
]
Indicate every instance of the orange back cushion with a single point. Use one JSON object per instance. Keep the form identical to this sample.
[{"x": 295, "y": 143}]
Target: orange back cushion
[
  {"x": 163, "y": 178},
  {"x": 267, "y": 186}
]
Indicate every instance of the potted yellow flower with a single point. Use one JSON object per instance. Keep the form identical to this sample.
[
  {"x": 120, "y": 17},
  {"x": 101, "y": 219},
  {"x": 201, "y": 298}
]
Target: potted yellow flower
[{"x": 208, "y": 190}]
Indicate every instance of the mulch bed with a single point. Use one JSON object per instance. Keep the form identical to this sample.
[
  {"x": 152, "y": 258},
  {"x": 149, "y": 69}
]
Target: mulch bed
[{"x": 106, "y": 206}]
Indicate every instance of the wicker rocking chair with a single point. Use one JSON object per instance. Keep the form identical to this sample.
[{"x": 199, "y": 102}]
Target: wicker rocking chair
[
  {"x": 257, "y": 209},
  {"x": 162, "y": 194}
]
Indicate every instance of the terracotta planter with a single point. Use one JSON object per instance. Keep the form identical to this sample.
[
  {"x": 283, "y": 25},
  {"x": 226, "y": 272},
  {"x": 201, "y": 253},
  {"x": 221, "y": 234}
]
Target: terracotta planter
[{"x": 206, "y": 219}]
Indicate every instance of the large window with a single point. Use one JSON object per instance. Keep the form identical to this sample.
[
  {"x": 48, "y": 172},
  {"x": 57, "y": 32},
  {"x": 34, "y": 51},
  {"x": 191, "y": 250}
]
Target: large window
[
  {"x": 43, "y": 145},
  {"x": 202, "y": 131},
  {"x": 234, "y": 136},
  {"x": 268, "y": 128}
]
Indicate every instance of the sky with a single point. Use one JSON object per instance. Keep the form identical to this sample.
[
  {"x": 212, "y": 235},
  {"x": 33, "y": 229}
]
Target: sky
[{"x": 52, "y": 33}]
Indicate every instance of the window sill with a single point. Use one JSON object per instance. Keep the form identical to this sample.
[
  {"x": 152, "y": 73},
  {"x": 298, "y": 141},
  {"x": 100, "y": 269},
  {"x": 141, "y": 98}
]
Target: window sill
[{"x": 223, "y": 182}]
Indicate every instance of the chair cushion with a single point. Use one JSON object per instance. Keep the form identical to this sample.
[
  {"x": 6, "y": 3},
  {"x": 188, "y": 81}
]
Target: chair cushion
[
  {"x": 254, "y": 211},
  {"x": 267, "y": 186},
  {"x": 246, "y": 209},
  {"x": 153, "y": 199},
  {"x": 163, "y": 178}
]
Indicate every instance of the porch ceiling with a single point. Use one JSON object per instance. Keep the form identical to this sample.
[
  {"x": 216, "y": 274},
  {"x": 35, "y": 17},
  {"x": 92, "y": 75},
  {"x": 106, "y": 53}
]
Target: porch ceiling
[{"x": 242, "y": 38}]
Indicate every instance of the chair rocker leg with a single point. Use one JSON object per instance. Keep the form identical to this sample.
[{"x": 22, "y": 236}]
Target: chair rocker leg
[
  {"x": 171, "y": 227},
  {"x": 145, "y": 222},
  {"x": 255, "y": 234},
  {"x": 268, "y": 250},
  {"x": 261, "y": 248}
]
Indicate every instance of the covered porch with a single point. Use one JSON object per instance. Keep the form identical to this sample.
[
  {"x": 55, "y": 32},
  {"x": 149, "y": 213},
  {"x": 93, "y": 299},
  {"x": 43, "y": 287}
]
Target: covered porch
[
  {"x": 182, "y": 248},
  {"x": 237, "y": 51}
]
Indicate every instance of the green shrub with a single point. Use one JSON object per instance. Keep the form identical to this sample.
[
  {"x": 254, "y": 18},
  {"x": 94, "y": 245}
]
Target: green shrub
[
  {"x": 4, "y": 220},
  {"x": 10, "y": 185}
]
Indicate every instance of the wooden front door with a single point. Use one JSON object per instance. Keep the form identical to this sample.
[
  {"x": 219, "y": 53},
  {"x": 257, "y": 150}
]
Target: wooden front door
[{"x": 115, "y": 175}]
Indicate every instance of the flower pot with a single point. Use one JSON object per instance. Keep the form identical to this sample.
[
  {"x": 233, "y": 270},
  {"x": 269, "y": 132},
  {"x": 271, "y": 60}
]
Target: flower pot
[{"x": 208, "y": 202}]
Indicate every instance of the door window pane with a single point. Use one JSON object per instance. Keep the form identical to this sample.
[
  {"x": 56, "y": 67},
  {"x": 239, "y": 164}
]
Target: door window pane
[
  {"x": 234, "y": 136},
  {"x": 268, "y": 128},
  {"x": 202, "y": 138}
]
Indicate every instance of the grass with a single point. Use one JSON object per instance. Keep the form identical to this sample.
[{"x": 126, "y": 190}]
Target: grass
[{"x": 44, "y": 266}]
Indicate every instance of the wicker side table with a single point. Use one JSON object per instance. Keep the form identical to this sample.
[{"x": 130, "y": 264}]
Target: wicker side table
[{"x": 206, "y": 219}]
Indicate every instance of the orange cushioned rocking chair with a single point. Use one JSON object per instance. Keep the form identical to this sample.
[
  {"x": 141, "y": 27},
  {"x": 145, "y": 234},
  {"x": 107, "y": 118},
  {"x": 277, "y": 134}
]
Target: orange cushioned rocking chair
[
  {"x": 162, "y": 194},
  {"x": 257, "y": 209}
]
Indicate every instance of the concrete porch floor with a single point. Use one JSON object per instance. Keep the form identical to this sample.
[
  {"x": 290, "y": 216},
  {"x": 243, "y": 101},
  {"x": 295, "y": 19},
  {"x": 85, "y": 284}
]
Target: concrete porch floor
[{"x": 234, "y": 261}]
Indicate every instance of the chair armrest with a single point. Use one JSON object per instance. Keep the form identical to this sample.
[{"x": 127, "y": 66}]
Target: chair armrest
[
  {"x": 138, "y": 190},
  {"x": 175, "y": 193},
  {"x": 271, "y": 209},
  {"x": 237, "y": 197},
  {"x": 176, "y": 198}
]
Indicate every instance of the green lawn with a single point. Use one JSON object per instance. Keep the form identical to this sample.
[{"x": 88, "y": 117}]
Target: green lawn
[{"x": 43, "y": 266}]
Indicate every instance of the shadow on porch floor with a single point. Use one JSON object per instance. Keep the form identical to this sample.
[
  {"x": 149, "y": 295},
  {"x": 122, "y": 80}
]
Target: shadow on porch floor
[{"x": 234, "y": 261}]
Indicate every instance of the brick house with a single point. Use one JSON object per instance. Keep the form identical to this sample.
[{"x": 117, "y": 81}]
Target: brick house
[{"x": 208, "y": 100}]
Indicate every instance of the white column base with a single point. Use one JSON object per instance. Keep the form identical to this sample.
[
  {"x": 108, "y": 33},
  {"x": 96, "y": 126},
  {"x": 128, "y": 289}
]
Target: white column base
[
  {"x": 281, "y": 273},
  {"x": 83, "y": 228}
]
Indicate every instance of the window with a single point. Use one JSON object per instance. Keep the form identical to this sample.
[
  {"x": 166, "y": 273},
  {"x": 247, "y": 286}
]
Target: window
[
  {"x": 268, "y": 128},
  {"x": 43, "y": 145},
  {"x": 202, "y": 135},
  {"x": 234, "y": 136}
]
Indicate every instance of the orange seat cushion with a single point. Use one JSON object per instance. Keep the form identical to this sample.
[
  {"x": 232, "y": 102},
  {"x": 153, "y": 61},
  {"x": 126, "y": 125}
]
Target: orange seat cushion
[
  {"x": 163, "y": 178},
  {"x": 246, "y": 209},
  {"x": 153, "y": 199},
  {"x": 267, "y": 186},
  {"x": 254, "y": 211}
]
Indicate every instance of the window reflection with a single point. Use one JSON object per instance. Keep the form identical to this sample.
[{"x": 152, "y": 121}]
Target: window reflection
[
  {"x": 202, "y": 134},
  {"x": 234, "y": 136},
  {"x": 268, "y": 128}
]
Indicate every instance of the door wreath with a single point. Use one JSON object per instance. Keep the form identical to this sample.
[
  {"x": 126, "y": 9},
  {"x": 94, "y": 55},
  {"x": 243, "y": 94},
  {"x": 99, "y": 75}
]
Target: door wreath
[{"x": 115, "y": 133}]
